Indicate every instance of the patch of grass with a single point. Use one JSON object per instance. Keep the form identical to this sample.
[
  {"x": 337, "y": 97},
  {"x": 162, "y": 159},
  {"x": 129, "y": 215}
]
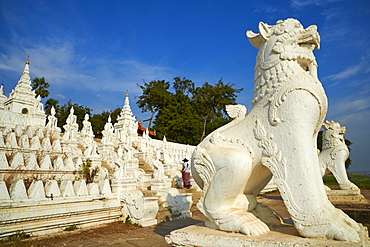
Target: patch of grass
[
  {"x": 362, "y": 181},
  {"x": 70, "y": 228},
  {"x": 128, "y": 220},
  {"x": 128, "y": 223}
]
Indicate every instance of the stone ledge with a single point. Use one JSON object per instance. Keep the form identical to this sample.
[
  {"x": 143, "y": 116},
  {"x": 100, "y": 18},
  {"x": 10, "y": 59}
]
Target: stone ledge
[{"x": 284, "y": 235}]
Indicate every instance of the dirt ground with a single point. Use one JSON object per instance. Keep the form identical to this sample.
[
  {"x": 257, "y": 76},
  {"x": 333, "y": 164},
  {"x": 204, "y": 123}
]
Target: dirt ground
[{"x": 121, "y": 234}]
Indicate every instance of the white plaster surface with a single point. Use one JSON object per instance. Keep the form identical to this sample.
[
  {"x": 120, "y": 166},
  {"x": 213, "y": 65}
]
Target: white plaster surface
[
  {"x": 4, "y": 194},
  {"x": 66, "y": 188},
  {"x": 80, "y": 188},
  {"x": 93, "y": 189},
  {"x": 3, "y": 161},
  {"x": 51, "y": 187},
  {"x": 104, "y": 187},
  {"x": 36, "y": 190},
  {"x": 45, "y": 163},
  {"x": 18, "y": 190}
]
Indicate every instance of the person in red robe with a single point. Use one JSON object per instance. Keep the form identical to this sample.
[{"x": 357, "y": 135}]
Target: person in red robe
[{"x": 186, "y": 173}]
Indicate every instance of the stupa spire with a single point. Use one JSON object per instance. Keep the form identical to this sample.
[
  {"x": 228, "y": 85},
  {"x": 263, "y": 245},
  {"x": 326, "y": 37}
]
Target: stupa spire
[
  {"x": 23, "y": 99},
  {"x": 25, "y": 78},
  {"x": 24, "y": 85},
  {"x": 125, "y": 121},
  {"x": 126, "y": 112}
]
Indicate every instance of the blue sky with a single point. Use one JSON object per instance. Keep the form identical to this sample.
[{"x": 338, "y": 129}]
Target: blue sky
[{"x": 93, "y": 52}]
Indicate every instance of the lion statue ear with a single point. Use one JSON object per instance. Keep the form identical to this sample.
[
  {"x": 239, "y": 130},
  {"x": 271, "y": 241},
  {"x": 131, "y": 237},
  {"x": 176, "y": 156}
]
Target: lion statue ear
[
  {"x": 256, "y": 39},
  {"x": 265, "y": 30}
]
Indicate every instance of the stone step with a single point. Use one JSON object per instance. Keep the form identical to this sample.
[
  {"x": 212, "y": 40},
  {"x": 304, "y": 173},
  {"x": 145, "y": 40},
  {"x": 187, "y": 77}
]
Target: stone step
[
  {"x": 148, "y": 169},
  {"x": 54, "y": 223},
  {"x": 195, "y": 197},
  {"x": 164, "y": 214},
  {"x": 149, "y": 193}
]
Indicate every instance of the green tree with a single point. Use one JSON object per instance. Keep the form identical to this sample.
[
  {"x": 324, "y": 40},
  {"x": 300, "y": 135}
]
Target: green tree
[
  {"x": 40, "y": 86},
  {"x": 49, "y": 104},
  {"x": 63, "y": 111},
  {"x": 178, "y": 121},
  {"x": 190, "y": 113},
  {"x": 183, "y": 85},
  {"x": 348, "y": 161},
  {"x": 210, "y": 102},
  {"x": 99, "y": 120},
  {"x": 154, "y": 97}
]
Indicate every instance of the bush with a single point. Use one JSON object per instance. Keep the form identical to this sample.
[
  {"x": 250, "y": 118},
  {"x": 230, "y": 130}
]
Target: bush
[
  {"x": 88, "y": 173},
  {"x": 70, "y": 228}
]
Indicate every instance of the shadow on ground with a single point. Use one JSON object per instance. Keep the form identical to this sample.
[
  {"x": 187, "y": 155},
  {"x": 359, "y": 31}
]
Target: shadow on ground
[
  {"x": 273, "y": 197},
  {"x": 165, "y": 228}
]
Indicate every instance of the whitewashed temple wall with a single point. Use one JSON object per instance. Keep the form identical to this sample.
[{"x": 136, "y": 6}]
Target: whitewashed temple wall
[
  {"x": 44, "y": 185},
  {"x": 12, "y": 119},
  {"x": 177, "y": 150}
]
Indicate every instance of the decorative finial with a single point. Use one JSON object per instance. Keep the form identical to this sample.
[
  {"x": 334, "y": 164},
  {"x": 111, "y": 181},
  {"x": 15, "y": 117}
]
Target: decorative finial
[
  {"x": 28, "y": 59},
  {"x": 126, "y": 92}
]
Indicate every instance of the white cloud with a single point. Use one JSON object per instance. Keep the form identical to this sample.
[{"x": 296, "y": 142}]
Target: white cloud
[
  {"x": 346, "y": 73},
  {"x": 97, "y": 83},
  {"x": 65, "y": 69},
  {"x": 358, "y": 119},
  {"x": 355, "y": 115},
  {"x": 353, "y": 103},
  {"x": 60, "y": 96},
  {"x": 266, "y": 9},
  {"x": 302, "y": 3},
  {"x": 332, "y": 13},
  {"x": 357, "y": 132}
]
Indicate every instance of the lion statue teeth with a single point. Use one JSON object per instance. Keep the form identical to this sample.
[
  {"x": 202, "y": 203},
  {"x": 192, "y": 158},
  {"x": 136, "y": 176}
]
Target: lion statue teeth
[{"x": 277, "y": 138}]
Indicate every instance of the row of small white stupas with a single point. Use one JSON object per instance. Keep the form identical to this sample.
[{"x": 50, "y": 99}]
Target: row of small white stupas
[{"x": 42, "y": 165}]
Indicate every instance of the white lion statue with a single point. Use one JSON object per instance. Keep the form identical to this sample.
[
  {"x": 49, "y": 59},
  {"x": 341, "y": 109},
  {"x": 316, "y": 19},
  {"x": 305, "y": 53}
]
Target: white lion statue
[
  {"x": 276, "y": 138},
  {"x": 334, "y": 154}
]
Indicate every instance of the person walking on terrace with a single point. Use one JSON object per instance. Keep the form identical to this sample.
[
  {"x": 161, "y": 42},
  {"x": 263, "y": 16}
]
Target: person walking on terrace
[{"x": 186, "y": 173}]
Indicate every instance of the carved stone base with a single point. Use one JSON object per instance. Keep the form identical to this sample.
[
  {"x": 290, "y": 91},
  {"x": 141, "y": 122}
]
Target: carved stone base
[
  {"x": 160, "y": 183},
  {"x": 106, "y": 148},
  {"x": 123, "y": 184},
  {"x": 346, "y": 196},
  {"x": 95, "y": 161},
  {"x": 283, "y": 235}
]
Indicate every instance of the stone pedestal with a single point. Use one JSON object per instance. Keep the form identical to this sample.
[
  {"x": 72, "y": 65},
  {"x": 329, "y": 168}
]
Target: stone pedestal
[
  {"x": 123, "y": 184},
  {"x": 352, "y": 202},
  {"x": 346, "y": 197},
  {"x": 142, "y": 210},
  {"x": 283, "y": 235},
  {"x": 95, "y": 160},
  {"x": 160, "y": 183},
  {"x": 106, "y": 148},
  {"x": 132, "y": 164},
  {"x": 71, "y": 147}
]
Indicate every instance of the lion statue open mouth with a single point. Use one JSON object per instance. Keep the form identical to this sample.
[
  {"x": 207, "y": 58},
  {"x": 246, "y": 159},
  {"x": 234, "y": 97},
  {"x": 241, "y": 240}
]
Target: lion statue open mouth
[{"x": 276, "y": 138}]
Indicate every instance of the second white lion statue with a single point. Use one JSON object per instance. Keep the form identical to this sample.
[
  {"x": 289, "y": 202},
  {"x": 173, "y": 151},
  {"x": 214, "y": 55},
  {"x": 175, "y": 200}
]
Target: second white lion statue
[{"x": 334, "y": 154}]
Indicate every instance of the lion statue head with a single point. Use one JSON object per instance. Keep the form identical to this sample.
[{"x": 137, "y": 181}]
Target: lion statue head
[
  {"x": 285, "y": 51},
  {"x": 333, "y": 134}
]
